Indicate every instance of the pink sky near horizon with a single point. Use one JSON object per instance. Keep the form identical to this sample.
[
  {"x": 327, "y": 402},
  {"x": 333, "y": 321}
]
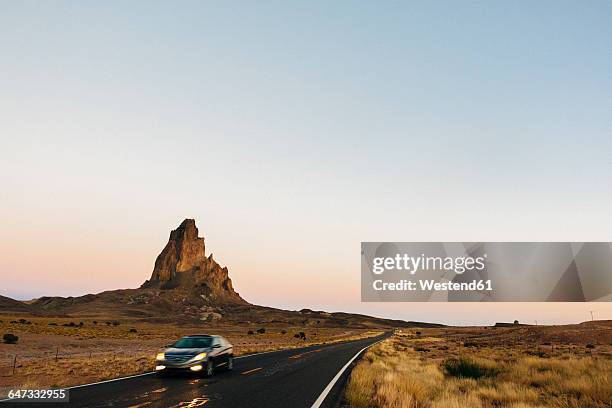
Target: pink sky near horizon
[{"x": 110, "y": 257}]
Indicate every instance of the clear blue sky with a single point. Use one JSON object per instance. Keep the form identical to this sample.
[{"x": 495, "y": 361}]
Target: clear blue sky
[{"x": 292, "y": 131}]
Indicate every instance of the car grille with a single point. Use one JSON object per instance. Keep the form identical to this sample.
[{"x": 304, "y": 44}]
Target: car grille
[{"x": 178, "y": 358}]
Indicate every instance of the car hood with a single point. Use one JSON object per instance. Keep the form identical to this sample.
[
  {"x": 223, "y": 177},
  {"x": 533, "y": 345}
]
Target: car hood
[{"x": 186, "y": 351}]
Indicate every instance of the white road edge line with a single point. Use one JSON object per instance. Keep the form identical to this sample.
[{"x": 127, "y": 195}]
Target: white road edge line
[
  {"x": 327, "y": 389},
  {"x": 109, "y": 381}
]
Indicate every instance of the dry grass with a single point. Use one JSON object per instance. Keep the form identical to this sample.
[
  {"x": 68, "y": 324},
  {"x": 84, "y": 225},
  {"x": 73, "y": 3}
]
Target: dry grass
[
  {"x": 437, "y": 370},
  {"x": 99, "y": 351}
]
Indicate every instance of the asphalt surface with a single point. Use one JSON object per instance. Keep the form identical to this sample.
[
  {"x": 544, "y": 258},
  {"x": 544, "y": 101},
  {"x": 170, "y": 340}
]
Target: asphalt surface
[{"x": 287, "y": 378}]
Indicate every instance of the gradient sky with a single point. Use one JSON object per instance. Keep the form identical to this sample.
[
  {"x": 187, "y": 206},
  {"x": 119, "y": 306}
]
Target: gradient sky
[{"x": 291, "y": 133}]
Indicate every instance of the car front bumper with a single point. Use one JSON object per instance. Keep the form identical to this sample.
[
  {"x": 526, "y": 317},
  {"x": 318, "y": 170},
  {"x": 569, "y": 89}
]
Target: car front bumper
[{"x": 165, "y": 365}]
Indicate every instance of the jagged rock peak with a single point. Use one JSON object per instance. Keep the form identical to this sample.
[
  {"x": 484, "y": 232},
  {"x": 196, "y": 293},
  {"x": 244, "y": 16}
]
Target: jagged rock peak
[{"x": 183, "y": 264}]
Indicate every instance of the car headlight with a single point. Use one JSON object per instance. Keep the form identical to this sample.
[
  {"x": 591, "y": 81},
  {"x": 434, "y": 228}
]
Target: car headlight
[
  {"x": 200, "y": 356},
  {"x": 160, "y": 357}
]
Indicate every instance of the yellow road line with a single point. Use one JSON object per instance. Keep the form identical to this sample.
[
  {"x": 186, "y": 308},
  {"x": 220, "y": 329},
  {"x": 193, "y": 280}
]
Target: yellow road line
[
  {"x": 251, "y": 371},
  {"x": 307, "y": 352}
]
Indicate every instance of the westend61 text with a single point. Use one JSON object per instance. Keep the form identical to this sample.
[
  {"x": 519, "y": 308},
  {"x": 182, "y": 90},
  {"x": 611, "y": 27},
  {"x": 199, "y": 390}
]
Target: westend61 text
[{"x": 432, "y": 285}]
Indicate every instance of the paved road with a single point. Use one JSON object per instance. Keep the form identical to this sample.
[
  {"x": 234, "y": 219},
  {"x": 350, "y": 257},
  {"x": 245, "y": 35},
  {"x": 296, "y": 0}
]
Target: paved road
[{"x": 289, "y": 378}]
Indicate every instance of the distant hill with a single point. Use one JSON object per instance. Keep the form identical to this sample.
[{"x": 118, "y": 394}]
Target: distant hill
[
  {"x": 186, "y": 285},
  {"x": 8, "y": 305}
]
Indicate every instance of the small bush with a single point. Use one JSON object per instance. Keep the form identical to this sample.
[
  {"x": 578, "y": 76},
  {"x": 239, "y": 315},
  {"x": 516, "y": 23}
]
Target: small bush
[
  {"x": 81, "y": 324},
  {"x": 466, "y": 368},
  {"x": 95, "y": 322},
  {"x": 133, "y": 331},
  {"x": 23, "y": 321},
  {"x": 108, "y": 323},
  {"x": 261, "y": 331},
  {"x": 418, "y": 333},
  {"x": 115, "y": 323},
  {"x": 470, "y": 344},
  {"x": 10, "y": 338},
  {"x": 516, "y": 322},
  {"x": 251, "y": 332},
  {"x": 52, "y": 324},
  {"x": 283, "y": 331},
  {"x": 296, "y": 335},
  {"x": 537, "y": 353},
  {"x": 590, "y": 346}
]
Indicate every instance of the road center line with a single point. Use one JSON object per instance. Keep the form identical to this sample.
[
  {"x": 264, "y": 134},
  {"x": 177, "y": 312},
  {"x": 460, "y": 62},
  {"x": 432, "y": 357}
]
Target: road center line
[
  {"x": 307, "y": 352},
  {"x": 251, "y": 371}
]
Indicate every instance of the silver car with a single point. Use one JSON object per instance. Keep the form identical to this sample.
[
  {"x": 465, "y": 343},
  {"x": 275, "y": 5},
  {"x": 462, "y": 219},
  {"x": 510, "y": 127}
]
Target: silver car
[{"x": 200, "y": 353}]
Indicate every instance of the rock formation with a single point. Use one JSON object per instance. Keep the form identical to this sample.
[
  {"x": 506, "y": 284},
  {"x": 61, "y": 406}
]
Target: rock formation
[{"x": 183, "y": 265}]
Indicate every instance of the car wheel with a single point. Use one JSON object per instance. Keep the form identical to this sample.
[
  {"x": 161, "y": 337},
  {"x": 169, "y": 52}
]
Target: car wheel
[
  {"x": 230, "y": 363},
  {"x": 210, "y": 368}
]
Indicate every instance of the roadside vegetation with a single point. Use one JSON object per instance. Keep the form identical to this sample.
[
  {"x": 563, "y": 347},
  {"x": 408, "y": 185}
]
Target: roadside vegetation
[{"x": 445, "y": 368}]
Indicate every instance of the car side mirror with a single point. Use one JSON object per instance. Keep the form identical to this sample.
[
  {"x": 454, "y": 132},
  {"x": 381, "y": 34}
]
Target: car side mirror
[{"x": 216, "y": 346}]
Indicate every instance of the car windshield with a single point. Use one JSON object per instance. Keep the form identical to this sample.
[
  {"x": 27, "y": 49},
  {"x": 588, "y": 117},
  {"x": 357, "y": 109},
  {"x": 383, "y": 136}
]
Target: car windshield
[{"x": 193, "y": 342}]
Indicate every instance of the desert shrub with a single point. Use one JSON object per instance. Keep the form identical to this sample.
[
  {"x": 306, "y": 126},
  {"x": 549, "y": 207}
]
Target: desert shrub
[
  {"x": 421, "y": 349},
  {"x": 261, "y": 331},
  {"x": 590, "y": 346},
  {"x": 71, "y": 324},
  {"x": 10, "y": 338},
  {"x": 418, "y": 333},
  {"x": 302, "y": 335},
  {"x": 108, "y": 323},
  {"x": 95, "y": 322},
  {"x": 52, "y": 324},
  {"x": 283, "y": 331},
  {"x": 81, "y": 324},
  {"x": 537, "y": 353},
  {"x": 14, "y": 321},
  {"x": 251, "y": 332},
  {"x": 466, "y": 368},
  {"x": 516, "y": 322},
  {"x": 22, "y": 321},
  {"x": 296, "y": 335},
  {"x": 470, "y": 344},
  {"x": 115, "y": 323},
  {"x": 133, "y": 330}
]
